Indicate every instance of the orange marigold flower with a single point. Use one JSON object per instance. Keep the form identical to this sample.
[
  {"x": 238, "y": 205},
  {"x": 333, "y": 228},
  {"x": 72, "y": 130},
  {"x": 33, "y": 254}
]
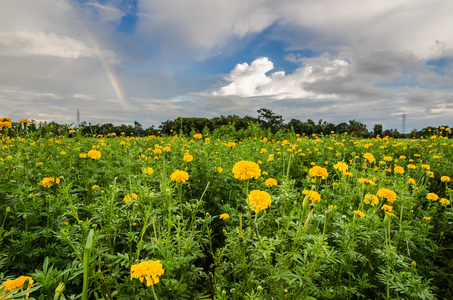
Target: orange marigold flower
[
  {"x": 398, "y": 170},
  {"x": 19, "y": 282},
  {"x": 313, "y": 196},
  {"x": 432, "y": 197},
  {"x": 359, "y": 213},
  {"x": 387, "y": 208},
  {"x": 366, "y": 181},
  {"x": 245, "y": 170},
  {"x": 369, "y": 157},
  {"x": 148, "y": 270},
  {"x": 259, "y": 200},
  {"x": 444, "y": 201},
  {"x": 270, "y": 182},
  {"x": 371, "y": 199},
  {"x": 411, "y": 181},
  {"x": 445, "y": 179},
  {"x": 318, "y": 172},
  {"x": 94, "y": 154},
  {"x": 387, "y": 194},
  {"x": 148, "y": 171},
  {"x": 179, "y": 176},
  {"x": 50, "y": 181},
  {"x": 188, "y": 158},
  {"x": 224, "y": 216},
  {"x": 341, "y": 166},
  {"x": 24, "y": 121},
  {"x": 198, "y": 136}
]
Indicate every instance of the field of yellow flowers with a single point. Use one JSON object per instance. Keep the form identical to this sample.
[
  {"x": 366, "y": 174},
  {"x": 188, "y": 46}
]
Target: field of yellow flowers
[{"x": 215, "y": 217}]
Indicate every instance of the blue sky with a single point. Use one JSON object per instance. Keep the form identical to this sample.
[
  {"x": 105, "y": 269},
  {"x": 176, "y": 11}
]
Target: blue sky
[{"x": 153, "y": 60}]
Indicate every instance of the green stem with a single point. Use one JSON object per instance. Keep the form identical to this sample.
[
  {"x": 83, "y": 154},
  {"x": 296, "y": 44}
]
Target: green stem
[{"x": 86, "y": 262}]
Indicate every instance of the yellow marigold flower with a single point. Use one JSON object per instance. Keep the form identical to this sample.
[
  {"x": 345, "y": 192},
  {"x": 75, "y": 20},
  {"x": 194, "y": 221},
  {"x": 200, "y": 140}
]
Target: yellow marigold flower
[
  {"x": 129, "y": 197},
  {"x": 224, "y": 216},
  {"x": 271, "y": 157},
  {"x": 398, "y": 170},
  {"x": 369, "y": 157},
  {"x": 388, "y": 158},
  {"x": 402, "y": 157},
  {"x": 5, "y": 119},
  {"x": 318, "y": 172},
  {"x": 94, "y": 187},
  {"x": 198, "y": 136},
  {"x": 313, "y": 196},
  {"x": 359, "y": 213},
  {"x": 387, "y": 208},
  {"x": 167, "y": 149},
  {"x": 157, "y": 151},
  {"x": 148, "y": 270},
  {"x": 366, "y": 181},
  {"x": 63, "y": 153},
  {"x": 263, "y": 150},
  {"x": 445, "y": 179},
  {"x": 411, "y": 181},
  {"x": 430, "y": 174},
  {"x": 245, "y": 170},
  {"x": 259, "y": 200},
  {"x": 341, "y": 166},
  {"x": 265, "y": 173},
  {"x": 347, "y": 173},
  {"x": 270, "y": 182},
  {"x": 11, "y": 285},
  {"x": 231, "y": 144},
  {"x": 411, "y": 166},
  {"x": 5, "y": 125},
  {"x": 387, "y": 194},
  {"x": 188, "y": 158},
  {"x": 432, "y": 197},
  {"x": 24, "y": 121},
  {"x": 219, "y": 169},
  {"x": 444, "y": 201},
  {"x": 389, "y": 214},
  {"x": 94, "y": 154},
  {"x": 82, "y": 155},
  {"x": 427, "y": 167},
  {"x": 50, "y": 181},
  {"x": 179, "y": 176},
  {"x": 371, "y": 199},
  {"x": 148, "y": 171},
  {"x": 427, "y": 218}
]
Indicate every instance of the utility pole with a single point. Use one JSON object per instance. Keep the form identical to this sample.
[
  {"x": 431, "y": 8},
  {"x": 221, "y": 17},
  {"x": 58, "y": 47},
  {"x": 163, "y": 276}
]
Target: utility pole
[
  {"x": 78, "y": 120},
  {"x": 404, "y": 123}
]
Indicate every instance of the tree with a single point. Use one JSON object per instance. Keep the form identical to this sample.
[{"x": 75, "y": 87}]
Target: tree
[
  {"x": 377, "y": 130},
  {"x": 269, "y": 120}
]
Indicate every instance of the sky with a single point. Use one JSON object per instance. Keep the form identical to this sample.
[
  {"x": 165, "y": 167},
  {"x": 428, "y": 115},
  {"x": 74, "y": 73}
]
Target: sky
[{"x": 153, "y": 60}]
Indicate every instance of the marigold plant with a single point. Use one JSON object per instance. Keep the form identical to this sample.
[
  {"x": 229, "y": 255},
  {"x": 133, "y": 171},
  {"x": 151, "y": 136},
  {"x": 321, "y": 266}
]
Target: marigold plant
[
  {"x": 148, "y": 271},
  {"x": 245, "y": 170}
]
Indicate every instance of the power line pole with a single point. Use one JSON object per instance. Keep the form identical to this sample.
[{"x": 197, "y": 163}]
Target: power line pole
[
  {"x": 78, "y": 120},
  {"x": 404, "y": 123}
]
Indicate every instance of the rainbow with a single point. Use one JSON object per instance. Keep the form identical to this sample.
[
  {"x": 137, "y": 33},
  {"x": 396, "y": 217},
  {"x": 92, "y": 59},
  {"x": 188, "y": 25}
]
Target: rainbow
[{"x": 109, "y": 73}]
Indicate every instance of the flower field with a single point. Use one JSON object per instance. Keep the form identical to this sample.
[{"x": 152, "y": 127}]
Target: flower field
[{"x": 216, "y": 217}]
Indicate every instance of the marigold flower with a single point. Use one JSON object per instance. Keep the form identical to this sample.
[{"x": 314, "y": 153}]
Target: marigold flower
[
  {"x": 259, "y": 200},
  {"x": 341, "y": 166},
  {"x": 167, "y": 149},
  {"x": 426, "y": 167},
  {"x": 398, "y": 170},
  {"x": 270, "y": 182},
  {"x": 198, "y": 136},
  {"x": 50, "y": 181},
  {"x": 94, "y": 187},
  {"x": 445, "y": 179},
  {"x": 313, "y": 196},
  {"x": 11, "y": 285},
  {"x": 224, "y": 216},
  {"x": 444, "y": 201},
  {"x": 219, "y": 169},
  {"x": 369, "y": 157},
  {"x": 271, "y": 157},
  {"x": 231, "y": 144},
  {"x": 371, "y": 199},
  {"x": 245, "y": 170},
  {"x": 24, "y": 121},
  {"x": 432, "y": 197},
  {"x": 157, "y": 151},
  {"x": 94, "y": 154},
  {"x": 411, "y": 181},
  {"x": 387, "y": 208},
  {"x": 318, "y": 172},
  {"x": 388, "y": 158},
  {"x": 387, "y": 194},
  {"x": 347, "y": 174},
  {"x": 82, "y": 155},
  {"x": 359, "y": 213},
  {"x": 5, "y": 125},
  {"x": 427, "y": 218},
  {"x": 148, "y": 171},
  {"x": 179, "y": 176},
  {"x": 5, "y": 119},
  {"x": 411, "y": 166},
  {"x": 366, "y": 181},
  {"x": 129, "y": 197},
  {"x": 148, "y": 270},
  {"x": 188, "y": 158}
]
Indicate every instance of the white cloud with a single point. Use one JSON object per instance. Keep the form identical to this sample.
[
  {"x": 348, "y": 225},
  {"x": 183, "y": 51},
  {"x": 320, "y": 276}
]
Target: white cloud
[
  {"x": 251, "y": 80},
  {"x": 24, "y": 43}
]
